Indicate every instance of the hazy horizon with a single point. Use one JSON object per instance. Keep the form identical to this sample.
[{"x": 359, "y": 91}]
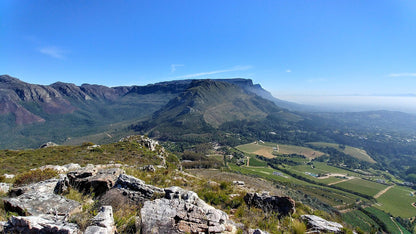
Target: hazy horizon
[{"x": 352, "y": 103}]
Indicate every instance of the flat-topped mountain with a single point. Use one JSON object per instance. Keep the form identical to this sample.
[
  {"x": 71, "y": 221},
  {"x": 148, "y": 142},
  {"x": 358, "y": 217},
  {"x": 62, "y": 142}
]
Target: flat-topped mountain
[
  {"x": 215, "y": 102},
  {"x": 204, "y": 107}
]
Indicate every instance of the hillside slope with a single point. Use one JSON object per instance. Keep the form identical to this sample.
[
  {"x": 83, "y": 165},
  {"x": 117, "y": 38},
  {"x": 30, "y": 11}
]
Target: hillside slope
[
  {"x": 204, "y": 107},
  {"x": 31, "y": 114}
]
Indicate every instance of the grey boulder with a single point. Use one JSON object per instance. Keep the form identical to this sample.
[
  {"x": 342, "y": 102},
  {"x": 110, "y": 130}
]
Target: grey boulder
[
  {"x": 90, "y": 179},
  {"x": 39, "y": 198},
  {"x": 318, "y": 224},
  {"x": 39, "y": 224},
  {"x": 182, "y": 211},
  {"x": 282, "y": 205},
  {"x": 103, "y": 222}
]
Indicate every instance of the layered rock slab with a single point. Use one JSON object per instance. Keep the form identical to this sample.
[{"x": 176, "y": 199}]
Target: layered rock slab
[
  {"x": 318, "y": 224},
  {"x": 90, "y": 179},
  {"x": 182, "y": 211},
  {"x": 103, "y": 222},
  {"x": 282, "y": 205},
  {"x": 39, "y": 224},
  {"x": 39, "y": 198}
]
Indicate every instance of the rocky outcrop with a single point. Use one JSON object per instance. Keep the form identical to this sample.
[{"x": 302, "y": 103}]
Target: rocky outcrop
[
  {"x": 90, "y": 179},
  {"x": 282, "y": 205},
  {"x": 47, "y": 145},
  {"x": 256, "y": 231},
  {"x": 168, "y": 210},
  {"x": 149, "y": 168},
  {"x": 62, "y": 186},
  {"x": 237, "y": 182},
  {"x": 182, "y": 211},
  {"x": 136, "y": 190},
  {"x": 144, "y": 141},
  {"x": 4, "y": 187},
  {"x": 39, "y": 224},
  {"x": 62, "y": 169},
  {"x": 39, "y": 198},
  {"x": 317, "y": 224},
  {"x": 103, "y": 222}
]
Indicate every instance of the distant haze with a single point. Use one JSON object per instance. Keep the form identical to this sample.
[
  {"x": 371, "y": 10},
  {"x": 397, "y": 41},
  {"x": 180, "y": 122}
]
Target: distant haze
[{"x": 356, "y": 103}]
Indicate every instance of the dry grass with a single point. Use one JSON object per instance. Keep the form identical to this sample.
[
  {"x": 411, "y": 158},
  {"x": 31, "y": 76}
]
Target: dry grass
[
  {"x": 266, "y": 152},
  {"x": 34, "y": 176}
]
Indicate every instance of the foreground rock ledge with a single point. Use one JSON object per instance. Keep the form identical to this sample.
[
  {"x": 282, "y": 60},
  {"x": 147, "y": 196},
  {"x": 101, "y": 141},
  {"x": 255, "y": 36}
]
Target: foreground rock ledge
[
  {"x": 182, "y": 211},
  {"x": 318, "y": 224},
  {"x": 39, "y": 198},
  {"x": 38, "y": 224}
]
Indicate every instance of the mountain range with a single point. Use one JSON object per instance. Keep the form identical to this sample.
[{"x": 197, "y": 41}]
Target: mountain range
[
  {"x": 31, "y": 114},
  {"x": 228, "y": 111}
]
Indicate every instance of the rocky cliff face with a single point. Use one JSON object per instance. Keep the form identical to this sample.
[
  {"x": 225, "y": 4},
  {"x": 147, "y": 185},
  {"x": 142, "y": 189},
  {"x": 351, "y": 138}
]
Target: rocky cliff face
[
  {"x": 15, "y": 94},
  {"x": 28, "y": 101},
  {"x": 83, "y": 110}
]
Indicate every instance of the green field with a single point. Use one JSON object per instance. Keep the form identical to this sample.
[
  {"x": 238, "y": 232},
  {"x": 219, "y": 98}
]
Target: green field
[
  {"x": 362, "y": 186},
  {"x": 266, "y": 150},
  {"x": 322, "y": 168},
  {"x": 266, "y": 173},
  {"x": 357, "y": 218},
  {"x": 392, "y": 227},
  {"x": 397, "y": 201},
  {"x": 352, "y": 151},
  {"x": 254, "y": 162},
  {"x": 344, "y": 193},
  {"x": 328, "y": 195},
  {"x": 329, "y": 180}
]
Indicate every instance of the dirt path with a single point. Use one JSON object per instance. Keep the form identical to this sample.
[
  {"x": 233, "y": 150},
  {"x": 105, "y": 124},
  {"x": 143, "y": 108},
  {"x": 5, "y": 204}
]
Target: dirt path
[
  {"x": 248, "y": 161},
  {"x": 337, "y": 182},
  {"x": 383, "y": 191},
  {"x": 333, "y": 175},
  {"x": 396, "y": 225}
]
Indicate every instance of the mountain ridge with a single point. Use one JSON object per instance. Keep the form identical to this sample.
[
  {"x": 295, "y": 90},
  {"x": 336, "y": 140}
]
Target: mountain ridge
[{"x": 38, "y": 109}]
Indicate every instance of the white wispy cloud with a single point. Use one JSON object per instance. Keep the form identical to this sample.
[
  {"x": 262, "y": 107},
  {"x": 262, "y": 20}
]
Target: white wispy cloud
[
  {"x": 54, "y": 52},
  {"x": 288, "y": 70},
  {"x": 235, "y": 68},
  {"x": 402, "y": 75},
  {"x": 174, "y": 66}
]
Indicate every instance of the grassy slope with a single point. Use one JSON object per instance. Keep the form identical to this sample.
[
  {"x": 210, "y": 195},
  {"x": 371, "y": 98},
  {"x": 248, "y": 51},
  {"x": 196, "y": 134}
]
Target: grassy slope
[
  {"x": 357, "y": 218},
  {"x": 15, "y": 161},
  {"x": 352, "y": 151},
  {"x": 397, "y": 201},
  {"x": 262, "y": 148},
  {"x": 392, "y": 227}
]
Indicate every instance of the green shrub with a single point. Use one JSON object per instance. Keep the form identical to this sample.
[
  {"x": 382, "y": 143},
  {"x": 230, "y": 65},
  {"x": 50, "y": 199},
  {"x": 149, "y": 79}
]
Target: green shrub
[
  {"x": 34, "y": 176},
  {"x": 125, "y": 219},
  {"x": 298, "y": 227},
  {"x": 86, "y": 144}
]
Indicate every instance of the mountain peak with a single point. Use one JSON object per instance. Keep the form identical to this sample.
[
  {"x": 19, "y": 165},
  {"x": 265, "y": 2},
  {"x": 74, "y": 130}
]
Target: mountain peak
[
  {"x": 9, "y": 79},
  {"x": 206, "y": 105}
]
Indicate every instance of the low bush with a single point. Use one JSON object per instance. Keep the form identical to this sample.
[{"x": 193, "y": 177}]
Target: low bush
[{"x": 34, "y": 176}]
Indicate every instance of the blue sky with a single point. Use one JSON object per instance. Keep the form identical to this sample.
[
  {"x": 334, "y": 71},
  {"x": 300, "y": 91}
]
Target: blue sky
[{"x": 292, "y": 48}]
